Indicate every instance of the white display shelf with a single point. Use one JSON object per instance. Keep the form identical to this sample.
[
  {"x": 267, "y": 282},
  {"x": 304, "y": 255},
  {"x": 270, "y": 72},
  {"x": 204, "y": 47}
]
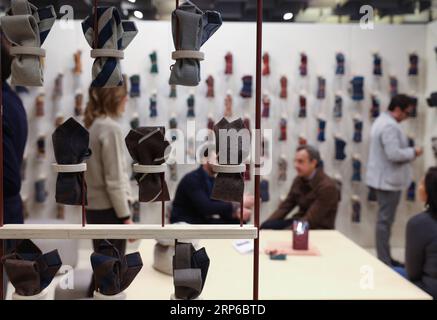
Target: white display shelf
[{"x": 136, "y": 231}]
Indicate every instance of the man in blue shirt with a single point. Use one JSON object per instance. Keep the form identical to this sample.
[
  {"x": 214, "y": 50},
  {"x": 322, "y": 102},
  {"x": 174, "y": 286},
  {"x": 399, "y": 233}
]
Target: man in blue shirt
[{"x": 192, "y": 203}]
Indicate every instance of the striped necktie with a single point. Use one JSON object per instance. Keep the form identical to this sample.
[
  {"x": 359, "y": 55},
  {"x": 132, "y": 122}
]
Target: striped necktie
[
  {"x": 114, "y": 34},
  {"x": 27, "y": 27}
]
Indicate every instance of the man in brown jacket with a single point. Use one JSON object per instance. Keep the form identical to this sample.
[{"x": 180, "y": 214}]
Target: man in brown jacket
[{"x": 314, "y": 193}]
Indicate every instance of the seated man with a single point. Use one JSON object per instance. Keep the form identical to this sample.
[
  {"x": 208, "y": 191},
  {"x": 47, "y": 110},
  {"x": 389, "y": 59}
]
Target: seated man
[
  {"x": 192, "y": 203},
  {"x": 313, "y": 192}
]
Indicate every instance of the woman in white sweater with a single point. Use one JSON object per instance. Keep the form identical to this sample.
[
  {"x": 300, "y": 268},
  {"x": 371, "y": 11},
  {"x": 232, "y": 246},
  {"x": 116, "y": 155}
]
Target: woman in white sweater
[{"x": 107, "y": 177}]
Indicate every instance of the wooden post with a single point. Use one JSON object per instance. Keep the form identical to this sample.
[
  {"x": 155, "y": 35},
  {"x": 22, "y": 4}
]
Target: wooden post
[{"x": 259, "y": 21}]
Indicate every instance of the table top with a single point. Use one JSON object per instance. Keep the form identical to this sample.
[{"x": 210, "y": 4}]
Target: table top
[{"x": 343, "y": 270}]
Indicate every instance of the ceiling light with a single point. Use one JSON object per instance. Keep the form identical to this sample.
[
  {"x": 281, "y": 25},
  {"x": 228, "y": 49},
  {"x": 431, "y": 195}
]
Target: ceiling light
[
  {"x": 132, "y": 1},
  {"x": 288, "y": 16},
  {"x": 138, "y": 14}
]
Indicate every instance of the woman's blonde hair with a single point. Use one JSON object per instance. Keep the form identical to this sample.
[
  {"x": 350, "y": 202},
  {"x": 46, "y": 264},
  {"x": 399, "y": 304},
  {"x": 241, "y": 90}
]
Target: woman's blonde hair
[{"x": 103, "y": 102}]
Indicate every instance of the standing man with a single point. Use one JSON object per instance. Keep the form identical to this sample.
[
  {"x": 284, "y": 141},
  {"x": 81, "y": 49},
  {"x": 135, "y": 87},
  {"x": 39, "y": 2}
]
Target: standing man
[{"x": 389, "y": 169}]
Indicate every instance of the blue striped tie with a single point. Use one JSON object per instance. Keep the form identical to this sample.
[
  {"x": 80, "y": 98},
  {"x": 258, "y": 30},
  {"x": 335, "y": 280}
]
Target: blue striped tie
[{"x": 113, "y": 34}]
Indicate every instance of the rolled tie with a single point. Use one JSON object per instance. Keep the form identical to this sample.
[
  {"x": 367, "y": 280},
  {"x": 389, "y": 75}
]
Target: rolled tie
[
  {"x": 114, "y": 36},
  {"x": 27, "y": 27}
]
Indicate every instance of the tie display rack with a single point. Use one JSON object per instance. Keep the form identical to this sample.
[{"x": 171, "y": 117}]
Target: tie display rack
[{"x": 143, "y": 231}]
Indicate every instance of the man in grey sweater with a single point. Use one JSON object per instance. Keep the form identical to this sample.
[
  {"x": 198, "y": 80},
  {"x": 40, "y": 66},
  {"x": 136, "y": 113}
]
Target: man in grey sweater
[{"x": 389, "y": 169}]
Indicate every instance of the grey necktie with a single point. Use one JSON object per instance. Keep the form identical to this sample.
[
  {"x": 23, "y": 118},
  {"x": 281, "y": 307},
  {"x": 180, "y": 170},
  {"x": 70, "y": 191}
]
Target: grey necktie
[{"x": 27, "y": 27}]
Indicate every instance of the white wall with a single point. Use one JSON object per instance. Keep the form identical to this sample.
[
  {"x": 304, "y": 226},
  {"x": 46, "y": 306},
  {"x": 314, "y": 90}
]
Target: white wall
[
  {"x": 431, "y": 86},
  {"x": 284, "y": 42}
]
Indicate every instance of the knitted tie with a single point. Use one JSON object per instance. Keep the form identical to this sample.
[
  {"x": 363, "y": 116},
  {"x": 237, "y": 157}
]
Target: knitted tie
[
  {"x": 340, "y": 146},
  {"x": 303, "y": 68},
  {"x": 266, "y": 64},
  {"x": 229, "y": 64},
  {"x": 358, "y": 130},
  {"x": 191, "y": 29},
  {"x": 232, "y": 148},
  {"x": 338, "y": 107},
  {"x": 302, "y": 106},
  {"x": 284, "y": 83},
  {"x": 339, "y": 57},
  {"x": 27, "y": 27},
  {"x": 377, "y": 65},
  {"x": 376, "y": 107},
  {"x": 393, "y": 86},
  {"x": 322, "y": 128},
  {"x": 266, "y": 106},
  {"x": 114, "y": 36},
  {"x": 413, "y": 70}
]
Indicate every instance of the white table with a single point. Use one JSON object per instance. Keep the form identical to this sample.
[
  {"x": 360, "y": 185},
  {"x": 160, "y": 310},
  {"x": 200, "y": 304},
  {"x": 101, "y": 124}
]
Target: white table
[{"x": 335, "y": 274}]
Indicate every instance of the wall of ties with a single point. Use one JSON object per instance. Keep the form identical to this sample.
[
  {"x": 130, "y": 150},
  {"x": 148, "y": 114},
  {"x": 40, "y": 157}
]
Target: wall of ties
[{"x": 317, "y": 108}]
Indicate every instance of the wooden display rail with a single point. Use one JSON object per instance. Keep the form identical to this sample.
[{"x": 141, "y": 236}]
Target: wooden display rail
[{"x": 136, "y": 231}]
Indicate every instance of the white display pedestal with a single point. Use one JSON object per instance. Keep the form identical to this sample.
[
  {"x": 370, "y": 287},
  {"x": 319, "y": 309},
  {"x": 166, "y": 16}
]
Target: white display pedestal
[
  {"x": 43, "y": 295},
  {"x": 99, "y": 296}
]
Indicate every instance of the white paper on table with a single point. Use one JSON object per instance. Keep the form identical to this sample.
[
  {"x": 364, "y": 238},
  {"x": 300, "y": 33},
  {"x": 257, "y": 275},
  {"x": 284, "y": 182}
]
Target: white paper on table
[{"x": 243, "y": 246}]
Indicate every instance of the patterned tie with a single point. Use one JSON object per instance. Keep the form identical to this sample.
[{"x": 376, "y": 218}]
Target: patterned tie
[
  {"x": 114, "y": 36},
  {"x": 27, "y": 27}
]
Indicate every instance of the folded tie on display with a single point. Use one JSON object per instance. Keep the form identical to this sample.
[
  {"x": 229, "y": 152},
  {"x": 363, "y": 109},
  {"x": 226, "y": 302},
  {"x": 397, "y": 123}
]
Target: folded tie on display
[
  {"x": 27, "y": 27},
  {"x": 340, "y": 59},
  {"x": 173, "y": 93},
  {"x": 266, "y": 106},
  {"x": 191, "y": 29},
  {"x": 229, "y": 63},
  {"x": 39, "y": 105},
  {"x": 321, "y": 130},
  {"x": 303, "y": 68},
  {"x": 358, "y": 130},
  {"x": 377, "y": 65},
  {"x": 29, "y": 270},
  {"x": 232, "y": 148},
  {"x": 356, "y": 169},
  {"x": 282, "y": 169},
  {"x": 321, "y": 88},
  {"x": 340, "y": 146},
  {"x": 58, "y": 88},
  {"x": 191, "y": 101},
  {"x": 432, "y": 100},
  {"x": 78, "y": 104},
  {"x": 210, "y": 83},
  {"x": 356, "y": 209},
  {"x": 413, "y": 112},
  {"x": 135, "y": 86},
  {"x": 148, "y": 146},
  {"x": 376, "y": 107},
  {"x": 40, "y": 191},
  {"x": 114, "y": 272},
  {"x": 371, "y": 196},
  {"x": 71, "y": 146},
  {"x": 210, "y": 124},
  {"x": 246, "y": 90},
  {"x": 114, "y": 36},
  {"x": 264, "y": 190},
  {"x": 393, "y": 86},
  {"x": 135, "y": 122},
  {"x": 153, "y": 108},
  {"x": 190, "y": 269},
  {"x": 411, "y": 192},
  {"x": 284, "y": 84},
  {"x": 357, "y": 88},
  {"x": 413, "y": 70},
  {"x": 41, "y": 147},
  {"x": 302, "y": 106},
  {"x": 154, "y": 61},
  {"x": 266, "y": 64},
  {"x": 77, "y": 70},
  {"x": 283, "y": 129},
  {"x": 338, "y": 107},
  {"x": 173, "y": 171},
  {"x": 228, "y": 105}
]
